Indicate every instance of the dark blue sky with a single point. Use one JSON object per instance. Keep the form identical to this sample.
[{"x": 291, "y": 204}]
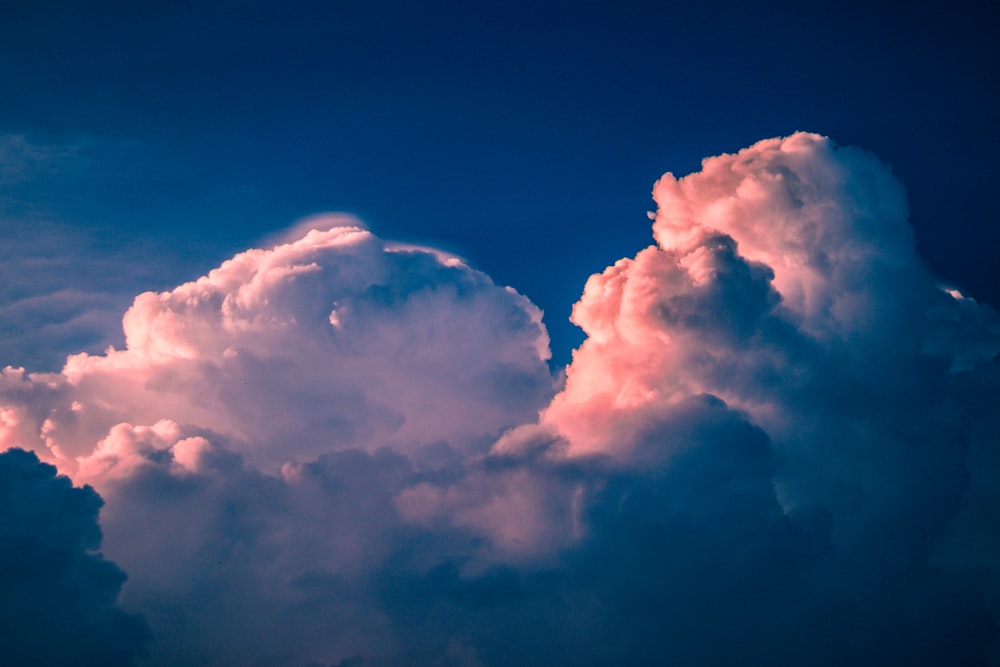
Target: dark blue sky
[{"x": 523, "y": 136}]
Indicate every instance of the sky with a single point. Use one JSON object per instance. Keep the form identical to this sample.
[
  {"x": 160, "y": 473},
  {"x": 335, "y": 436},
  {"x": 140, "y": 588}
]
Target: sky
[{"x": 345, "y": 417}]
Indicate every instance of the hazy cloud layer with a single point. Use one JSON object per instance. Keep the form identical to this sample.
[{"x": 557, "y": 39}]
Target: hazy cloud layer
[
  {"x": 42, "y": 316},
  {"x": 777, "y": 446}
]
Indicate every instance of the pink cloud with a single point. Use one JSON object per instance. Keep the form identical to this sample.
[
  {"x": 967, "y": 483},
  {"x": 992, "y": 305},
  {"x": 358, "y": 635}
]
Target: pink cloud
[
  {"x": 330, "y": 341},
  {"x": 766, "y": 260},
  {"x": 776, "y": 408}
]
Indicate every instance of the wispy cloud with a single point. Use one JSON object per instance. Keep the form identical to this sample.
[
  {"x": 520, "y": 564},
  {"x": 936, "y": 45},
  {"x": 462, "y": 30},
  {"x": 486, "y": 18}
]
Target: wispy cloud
[{"x": 61, "y": 290}]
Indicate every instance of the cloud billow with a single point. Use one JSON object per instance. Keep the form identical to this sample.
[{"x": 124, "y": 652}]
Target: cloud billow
[
  {"x": 59, "y": 602},
  {"x": 332, "y": 341},
  {"x": 777, "y": 445}
]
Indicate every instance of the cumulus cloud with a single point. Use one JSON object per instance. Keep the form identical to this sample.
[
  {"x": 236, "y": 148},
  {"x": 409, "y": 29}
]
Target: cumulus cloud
[
  {"x": 777, "y": 445},
  {"x": 331, "y": 341},
  {"x": 218, "y": 428},
  {"x": 59, "y": 602},
  {"x": 785, "y": 283}
]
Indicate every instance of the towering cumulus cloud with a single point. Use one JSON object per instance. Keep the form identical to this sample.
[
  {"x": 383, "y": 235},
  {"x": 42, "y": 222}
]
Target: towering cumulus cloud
[
  {"x": 784, "y": 283},
  {"x": 778, "y": 445}
]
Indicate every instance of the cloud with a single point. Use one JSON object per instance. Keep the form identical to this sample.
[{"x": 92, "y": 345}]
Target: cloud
[
  {"x": 777, "y": 445},
  {"x": 59, "y": 602},
  {"x": 785, "y": 283},
  {"x": 244, "y": 401},
  {"x": 329, "y": 342},
  {"x": 23, "y": 160}
]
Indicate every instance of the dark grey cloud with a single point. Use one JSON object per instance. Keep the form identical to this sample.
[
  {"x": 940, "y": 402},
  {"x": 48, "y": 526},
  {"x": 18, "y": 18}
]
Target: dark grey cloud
[{"x": 60, "y": 595}]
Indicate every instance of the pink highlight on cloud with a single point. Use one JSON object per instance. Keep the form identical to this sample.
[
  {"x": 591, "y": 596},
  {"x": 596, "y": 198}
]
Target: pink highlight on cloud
[
  {"x": 790, "y": 243},
  {"x": 310, "y": 416},
  {"x": 330, "y": 341},
  {"x": 809, "y": 210}
]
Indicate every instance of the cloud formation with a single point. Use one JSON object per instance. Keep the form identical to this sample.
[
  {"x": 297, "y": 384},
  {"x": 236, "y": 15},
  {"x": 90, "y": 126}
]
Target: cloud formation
[
  {"x": 785, "y": 283},
  {"x": 777, "y": 445},
  {"x": 332, "y": 341},
  {"x": 59, "y": 602}
]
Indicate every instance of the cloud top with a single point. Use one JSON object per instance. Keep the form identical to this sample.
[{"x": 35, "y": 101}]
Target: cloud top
[
  {"x": 769, "y": 264},
  {"x": 347, "y": 341}
]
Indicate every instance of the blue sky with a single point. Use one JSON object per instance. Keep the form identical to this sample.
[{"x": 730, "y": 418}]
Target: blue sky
[{"x": 523, "y": 136}]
